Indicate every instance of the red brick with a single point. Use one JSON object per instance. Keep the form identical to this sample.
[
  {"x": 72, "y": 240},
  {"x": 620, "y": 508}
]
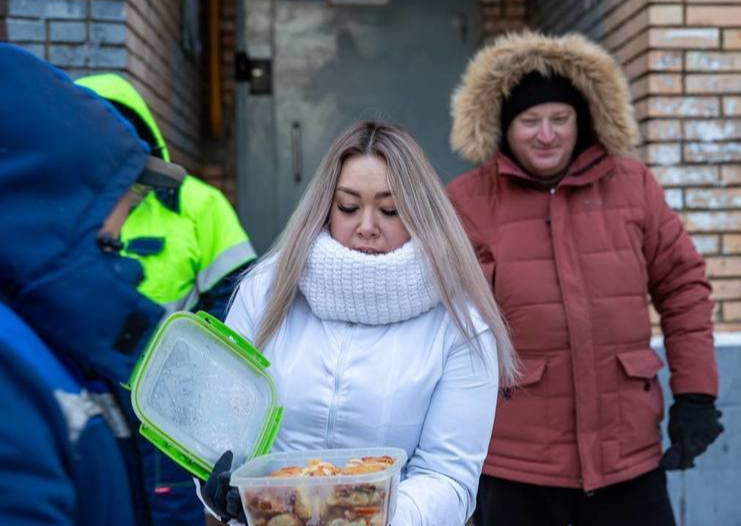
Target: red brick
[
  {"x": 661, "y": 129},
  {"x": 665, "y": 60},
  {"x": 635, "y": 24},
  {"x": 682, "y": 107},
  {"x": 714, "y": 222},
  {"x": 713, "y": 61},
  {"x": 714, "y": 16},
  {"x": 732, "y": 106},
  {"x": 732, "y": 38},
  {"x": 727, "y": 327},
  {"x": 665, "y": 15},
  {"x": 732, "y": 310},
  {"x": 706, "y": 244},
  {"x": 630, "y": 49},
  {"x": 732, "y": 243},
  {"x": 657, "y": 83},
  {"x": 228, "y": 9},
  {"x": 712, "y": 152},
  {"x": 712, "y": 129},
  {"x": 654, "y": 61},
  {"x": 515, "y": 11},
  {"x": 228, "y": 40},
  {"x": 713, "y": 83},
  {"x": 730, "y": 174},
  {"x": 663, "y": 154},
  {"x": 726, "y": 289},
  {"x": 686, "y": 37},
  {"x": 665, "y": 83},
  {"x": 686, "y": 175},
  {"x": 723, "y": 266},
  {"x": 674, "y": 198},
  {"x": 713, "y": 198}
]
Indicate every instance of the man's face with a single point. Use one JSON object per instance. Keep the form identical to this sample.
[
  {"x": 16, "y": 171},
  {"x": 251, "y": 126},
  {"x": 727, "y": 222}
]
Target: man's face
[{"x": 543, "y": 137}]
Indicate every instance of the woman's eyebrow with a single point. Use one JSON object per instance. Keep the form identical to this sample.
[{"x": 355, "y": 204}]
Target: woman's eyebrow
[
  {"x": 348, "y": 191},
  {"x": 379, "y": 195}
]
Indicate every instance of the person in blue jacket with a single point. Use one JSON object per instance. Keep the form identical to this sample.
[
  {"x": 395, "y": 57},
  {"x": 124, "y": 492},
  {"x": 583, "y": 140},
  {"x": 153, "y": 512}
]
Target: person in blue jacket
[{"x": 72, "y": 323}]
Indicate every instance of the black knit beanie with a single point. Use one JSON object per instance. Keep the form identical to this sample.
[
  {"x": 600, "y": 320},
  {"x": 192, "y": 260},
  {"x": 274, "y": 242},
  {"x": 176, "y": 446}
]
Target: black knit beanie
[{"x": 534, "y": 89}]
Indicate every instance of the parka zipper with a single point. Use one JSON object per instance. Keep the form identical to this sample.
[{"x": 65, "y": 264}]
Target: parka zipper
[
  {"x": 337, "y": 381},
  {"x": 579, "y": 412}
]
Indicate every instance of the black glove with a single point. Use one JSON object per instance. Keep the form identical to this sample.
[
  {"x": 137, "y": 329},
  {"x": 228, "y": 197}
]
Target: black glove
[
  {"x": 693, "y": 425},
  {"x": 219, "y": 495}
]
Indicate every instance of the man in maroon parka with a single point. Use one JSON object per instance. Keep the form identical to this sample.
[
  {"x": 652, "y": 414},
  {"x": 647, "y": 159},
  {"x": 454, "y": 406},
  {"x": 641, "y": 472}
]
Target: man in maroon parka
[{"x": 576, "y": 239}]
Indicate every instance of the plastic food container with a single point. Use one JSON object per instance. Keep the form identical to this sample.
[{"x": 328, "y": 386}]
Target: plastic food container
[
  {"x": 199, "y": 389},
  {"x": 336, "y": 500}
]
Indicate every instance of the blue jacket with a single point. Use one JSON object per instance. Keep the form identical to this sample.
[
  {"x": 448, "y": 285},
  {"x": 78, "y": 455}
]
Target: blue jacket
[
  {"x": 61, "y": 463},
  {"x": 71, "y": 321}
]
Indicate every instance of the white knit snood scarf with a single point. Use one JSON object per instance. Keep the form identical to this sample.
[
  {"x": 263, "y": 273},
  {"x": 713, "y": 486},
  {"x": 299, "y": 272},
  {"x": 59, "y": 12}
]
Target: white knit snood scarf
[{"x": 348, "y": 285}]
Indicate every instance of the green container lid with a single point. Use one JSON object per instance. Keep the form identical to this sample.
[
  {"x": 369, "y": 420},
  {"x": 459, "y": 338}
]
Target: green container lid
[{"x": 200, "y": 389}]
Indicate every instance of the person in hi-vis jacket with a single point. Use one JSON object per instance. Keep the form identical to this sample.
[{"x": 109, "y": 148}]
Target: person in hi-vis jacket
[{"x": 193, "y": 248}]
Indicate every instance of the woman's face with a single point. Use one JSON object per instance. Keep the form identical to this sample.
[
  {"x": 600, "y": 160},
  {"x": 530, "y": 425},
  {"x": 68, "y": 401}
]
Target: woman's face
[
  {"x": 363, "y": 215},
  {"x": 543, "y": 138}
]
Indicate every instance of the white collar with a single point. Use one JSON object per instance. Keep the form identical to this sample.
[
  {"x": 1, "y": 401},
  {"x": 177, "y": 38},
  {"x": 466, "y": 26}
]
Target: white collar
[{"x": 348, "y": 285}]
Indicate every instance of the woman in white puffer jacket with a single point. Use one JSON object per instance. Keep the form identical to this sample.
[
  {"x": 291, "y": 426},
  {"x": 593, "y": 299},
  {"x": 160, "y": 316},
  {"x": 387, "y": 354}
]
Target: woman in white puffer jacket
[{"x": 379, "y": 326}]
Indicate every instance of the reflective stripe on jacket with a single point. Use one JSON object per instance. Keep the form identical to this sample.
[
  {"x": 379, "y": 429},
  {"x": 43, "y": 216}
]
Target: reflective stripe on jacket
[
  {"x": 66, "y": 454},
  {"x": 187, "y": 242},
  {"x": 201, "y": 244}
]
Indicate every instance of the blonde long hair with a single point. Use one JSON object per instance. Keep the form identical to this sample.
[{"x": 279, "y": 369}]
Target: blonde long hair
[{"x": 426, "y": 213}]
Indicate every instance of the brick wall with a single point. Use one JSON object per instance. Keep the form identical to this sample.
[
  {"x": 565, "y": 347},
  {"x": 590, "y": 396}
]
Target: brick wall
[
  {"x": 72, "y": 34},
  {"x": 683, "y": 60},
  {"x": 3, "y": 15},
  {"x": 138, "y": 38},
  {"x": 500, "y": 16},
  {"x": 219, "y": 153},
  {"x": 170, "y": 78}
]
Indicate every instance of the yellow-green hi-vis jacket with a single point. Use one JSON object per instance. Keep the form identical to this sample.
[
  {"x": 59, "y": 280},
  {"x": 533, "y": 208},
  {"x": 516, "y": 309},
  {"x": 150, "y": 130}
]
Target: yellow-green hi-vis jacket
[{"x": 187, "y": 240}]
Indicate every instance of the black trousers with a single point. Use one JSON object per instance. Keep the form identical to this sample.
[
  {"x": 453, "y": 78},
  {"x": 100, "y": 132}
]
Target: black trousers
[{"x": 642, "y": 501}]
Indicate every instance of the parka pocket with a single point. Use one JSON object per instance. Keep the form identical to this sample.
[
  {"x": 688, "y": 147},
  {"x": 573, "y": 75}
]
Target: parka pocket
[
  {"x": 531, "y": 373},
  {"x": 641, "y": 402},
  {"x": 521, "y": 421},
  {"x": 644, "y": 364}
]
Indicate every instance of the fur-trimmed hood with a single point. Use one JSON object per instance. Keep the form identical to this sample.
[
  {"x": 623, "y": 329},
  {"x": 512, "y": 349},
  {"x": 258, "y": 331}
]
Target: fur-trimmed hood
[{"x": 498, "y": 67}]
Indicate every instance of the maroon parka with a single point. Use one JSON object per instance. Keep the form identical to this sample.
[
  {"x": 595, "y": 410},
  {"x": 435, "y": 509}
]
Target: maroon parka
[{"x": 574, "y": 269}]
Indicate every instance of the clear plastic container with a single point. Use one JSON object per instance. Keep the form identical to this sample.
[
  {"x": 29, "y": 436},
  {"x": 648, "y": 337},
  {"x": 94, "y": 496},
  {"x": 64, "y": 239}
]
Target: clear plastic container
[
  {"x": 200, "y": 389},
  {"x": 336, "y": 500}
]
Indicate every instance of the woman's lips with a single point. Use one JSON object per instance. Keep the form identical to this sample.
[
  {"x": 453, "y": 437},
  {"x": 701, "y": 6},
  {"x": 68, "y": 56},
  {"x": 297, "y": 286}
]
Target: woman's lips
[{"x": 367, "y": 250}]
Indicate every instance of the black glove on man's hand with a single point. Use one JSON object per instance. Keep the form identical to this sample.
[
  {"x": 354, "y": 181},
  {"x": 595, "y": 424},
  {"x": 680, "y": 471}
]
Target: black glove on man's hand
[
  {"x": 693, "y": 425},
  {"x": 219, "y": 495}
]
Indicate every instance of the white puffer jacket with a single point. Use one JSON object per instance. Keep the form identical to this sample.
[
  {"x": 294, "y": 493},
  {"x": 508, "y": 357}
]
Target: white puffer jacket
[{"x": 415, "y": 384}]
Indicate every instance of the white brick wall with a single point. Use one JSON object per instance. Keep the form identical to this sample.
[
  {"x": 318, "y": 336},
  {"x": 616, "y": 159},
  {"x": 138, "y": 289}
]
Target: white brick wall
[
  {"x": 80, "y": 36},
  {"x": 138, "y": 38},
  {"x": 683, "y": 60}
]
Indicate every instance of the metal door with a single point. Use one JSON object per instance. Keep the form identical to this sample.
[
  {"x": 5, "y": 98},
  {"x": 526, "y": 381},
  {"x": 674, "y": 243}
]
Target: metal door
[{"x": 332, "y": 65}]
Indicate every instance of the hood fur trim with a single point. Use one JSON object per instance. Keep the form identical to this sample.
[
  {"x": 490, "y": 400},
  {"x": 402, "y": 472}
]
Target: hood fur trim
[{"x": 498, "y": 67}]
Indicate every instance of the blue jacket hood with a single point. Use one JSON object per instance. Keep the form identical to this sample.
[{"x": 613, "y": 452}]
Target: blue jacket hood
[{"x": 66, "y": 158}]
